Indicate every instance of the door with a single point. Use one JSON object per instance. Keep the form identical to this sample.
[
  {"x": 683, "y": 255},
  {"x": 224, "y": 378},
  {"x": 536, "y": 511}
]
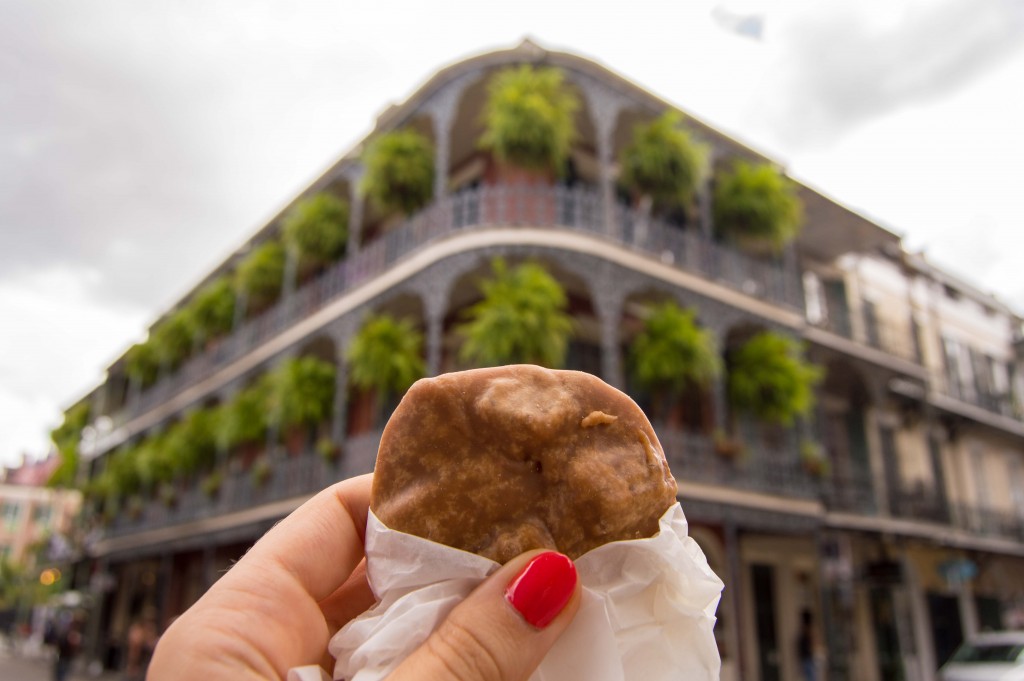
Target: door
[
  {"x": 763, "y": 578},
  {"x": 947, "y": 632}
]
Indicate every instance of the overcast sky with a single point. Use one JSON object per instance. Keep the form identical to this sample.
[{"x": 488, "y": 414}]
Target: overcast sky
[{"x": 141, "y": 142}]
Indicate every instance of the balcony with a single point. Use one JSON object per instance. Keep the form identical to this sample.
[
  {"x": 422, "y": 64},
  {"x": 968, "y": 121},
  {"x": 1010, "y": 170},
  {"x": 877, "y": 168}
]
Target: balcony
[
  {"x": 291, "y": 477},
  {"x": 765, "y": 469},
  {"x": 880, "y": 335},
  {"x": 574, "y": 209}
]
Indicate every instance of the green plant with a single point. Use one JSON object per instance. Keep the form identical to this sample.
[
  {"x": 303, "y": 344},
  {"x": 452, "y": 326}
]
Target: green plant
[
  {"x": 260, "y": 275},
  {"x": 672, "y": 352},
  {"x": 142, "y": 364},
  {"x": 172, "y": 338},
  {"x": 134, "y": 506},
  {"x": 191, "y": 444},
  {"x": 261, "y": 471},
  {"x": 399, "y": 171},
  {"x": 814, "y": 459},
  {"x": 168, "y": 494},
  {"x": 245, "y": 417},
  {"x": 386, "y": 356},
  {"x": 663, "y": 162},
  {"x": 66, "y": 438},
  {"x": 317, "y": 229},
  {"x": 522, "y": 318},
  {"x": 727, "y": 446},
  {"x": 757, "y": 206},
  {"x": 303, "y": 391},
  {"x": 152, "y": 464},
  {"x": 328, "y": 449},
  {"x": 212, "y": 483},
  {"x": 769, "y": 379},
  {"x": 213, "y": 309},
  {"x": 529, "y": 117}
]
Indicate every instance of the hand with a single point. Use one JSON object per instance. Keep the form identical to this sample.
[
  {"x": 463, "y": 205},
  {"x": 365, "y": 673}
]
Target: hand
[{"x": 279, "y": 605}]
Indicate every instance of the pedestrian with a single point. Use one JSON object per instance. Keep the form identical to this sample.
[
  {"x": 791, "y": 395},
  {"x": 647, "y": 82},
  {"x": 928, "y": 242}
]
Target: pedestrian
[
  {"x": 142, "y": 638},
  {"x": 806, "y": 647},
  {"x": 67, "y": 642}
]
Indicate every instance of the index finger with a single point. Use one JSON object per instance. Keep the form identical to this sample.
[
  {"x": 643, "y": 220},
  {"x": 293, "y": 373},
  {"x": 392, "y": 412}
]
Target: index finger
[{"x": 321, "y": 542}]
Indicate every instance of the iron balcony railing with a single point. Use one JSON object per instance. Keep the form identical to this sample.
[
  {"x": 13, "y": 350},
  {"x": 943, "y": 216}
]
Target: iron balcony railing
[
  {"x": 290, "y": 477},
  {"x": 576, "y": 209}
]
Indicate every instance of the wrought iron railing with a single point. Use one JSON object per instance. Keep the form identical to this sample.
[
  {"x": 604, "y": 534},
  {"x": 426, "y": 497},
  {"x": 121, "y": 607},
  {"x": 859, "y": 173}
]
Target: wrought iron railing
[
  {"x": 577, "y": 209},
  {"x": 290, "y": 477}
]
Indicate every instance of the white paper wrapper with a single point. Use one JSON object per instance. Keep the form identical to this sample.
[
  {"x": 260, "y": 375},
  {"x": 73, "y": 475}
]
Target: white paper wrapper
[{"x": 647, "y": 613}]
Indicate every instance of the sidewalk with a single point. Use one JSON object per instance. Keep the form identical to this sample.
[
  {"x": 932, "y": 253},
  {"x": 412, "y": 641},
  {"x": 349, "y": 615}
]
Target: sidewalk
[{"x": 18, "y": 666}]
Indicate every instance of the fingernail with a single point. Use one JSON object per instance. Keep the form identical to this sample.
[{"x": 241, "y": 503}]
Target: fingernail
[{"x": 542, "y": 589}]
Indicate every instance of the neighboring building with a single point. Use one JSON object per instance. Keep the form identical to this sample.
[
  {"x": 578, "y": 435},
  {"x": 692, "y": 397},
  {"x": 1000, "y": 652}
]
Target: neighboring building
[
  {"x": 31, "y": 514},
  {"x": 913, "y": 538}
]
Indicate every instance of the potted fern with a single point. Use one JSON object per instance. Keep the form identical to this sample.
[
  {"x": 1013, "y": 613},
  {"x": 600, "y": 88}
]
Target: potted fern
[
  {"x": 385, "y": 358},
  {"x": 529, "y": 122},
  {"x": 770, "y": 380},
  {"x": 213, "y": 311},
  {"x": 316, "y": 230},
  {"x": 244, "y": 422},
  {"x": 814, "y": 459},
  {"x": 303, "y": 396},
  {"x": 663, "y": 163},
  {"x": 522, "y": 318},
  {"x": 142, "y": 364},
  {"x": 673, "y": 357},
  {"x": 756, "y": 208},
  {"x": 399, "y": 176},
  {"x": 172, "y": 339},
  {"x": 260, "y": 275},
  {"x": 66, "y": 437}
]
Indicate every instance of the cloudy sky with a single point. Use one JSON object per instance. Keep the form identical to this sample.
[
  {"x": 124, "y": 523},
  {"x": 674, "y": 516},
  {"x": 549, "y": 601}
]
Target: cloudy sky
[{"x": 140, "y": 142}]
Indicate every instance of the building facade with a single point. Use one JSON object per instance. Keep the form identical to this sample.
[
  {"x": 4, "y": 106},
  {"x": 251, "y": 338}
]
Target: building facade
[{"x": 912, "y": 535}]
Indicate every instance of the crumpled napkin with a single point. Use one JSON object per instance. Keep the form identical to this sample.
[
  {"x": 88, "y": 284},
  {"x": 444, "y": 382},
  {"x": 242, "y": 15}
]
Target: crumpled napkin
[{"x": 647, "y": 612}]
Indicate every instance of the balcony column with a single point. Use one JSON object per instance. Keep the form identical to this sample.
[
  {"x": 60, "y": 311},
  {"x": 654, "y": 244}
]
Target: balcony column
[
  {"x": 339, "y": 417},
  {"x": 705, "y": 197},
  {"x": 436, "y": 305},
  {"x": 604, "y": 107},
  {"x": 793, "y": 289},
  {"x": 274, "y": 427},
  {"x": 442, "y": 108},
  {"x": 608, "y": 305},
  {"x": 354, "y": 175}
]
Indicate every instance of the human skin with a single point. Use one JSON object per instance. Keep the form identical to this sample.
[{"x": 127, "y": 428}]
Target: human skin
[{"x": 278, "y": 607}]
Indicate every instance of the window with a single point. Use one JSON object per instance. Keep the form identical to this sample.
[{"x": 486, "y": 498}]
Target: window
[
  {"x": 951, "y": 354},
  {"x": 871, "y": 324},
  {"x": 41, "y": 515},
  {"x": 9, "y": 514}
]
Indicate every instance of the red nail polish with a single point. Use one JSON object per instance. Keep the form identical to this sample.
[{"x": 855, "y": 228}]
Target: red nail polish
[{"x": 542, "y": 589}]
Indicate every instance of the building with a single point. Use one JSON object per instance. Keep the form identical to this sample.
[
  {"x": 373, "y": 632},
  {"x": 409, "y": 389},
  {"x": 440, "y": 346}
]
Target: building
[
  {"x": 31, "y": 514},
  {"x": 904, "y": 536}
]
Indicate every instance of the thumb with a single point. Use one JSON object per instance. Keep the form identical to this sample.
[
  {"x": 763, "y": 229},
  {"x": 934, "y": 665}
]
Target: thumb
[{"x": 502, "y": 631}]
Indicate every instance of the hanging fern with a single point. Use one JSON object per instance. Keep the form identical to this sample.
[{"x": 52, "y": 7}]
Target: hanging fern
[
  {"x": 529, "y": 117},
  {"x": 522, "y": 318},
  {"x": 769, "y": 379},
  {"x": 317, "y": 229},
  {"x": 399, "y": 171},
  {"x": 672, "y": 352},
  {"x": 213, "y": 309},
  {"x": 663, "y": 162},
  {"x": 386, "y": 356},
  {"x": 756, "y": 205}
]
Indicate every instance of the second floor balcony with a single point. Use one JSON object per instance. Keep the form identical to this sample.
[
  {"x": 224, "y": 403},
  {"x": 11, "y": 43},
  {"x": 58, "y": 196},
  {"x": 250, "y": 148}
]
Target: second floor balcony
[{"x": 576, "y": 209}]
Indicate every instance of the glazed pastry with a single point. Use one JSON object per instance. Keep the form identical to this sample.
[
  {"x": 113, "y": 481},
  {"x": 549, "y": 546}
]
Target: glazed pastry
[{"x": 499, "y": 461}]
